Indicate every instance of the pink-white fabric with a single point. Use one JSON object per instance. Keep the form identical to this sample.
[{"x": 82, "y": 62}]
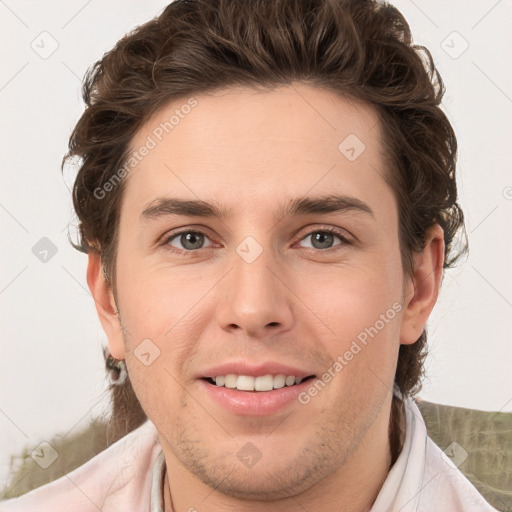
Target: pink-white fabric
[
  {"x": 117, "y": 479},
  {"x": 423, "y": 479}
]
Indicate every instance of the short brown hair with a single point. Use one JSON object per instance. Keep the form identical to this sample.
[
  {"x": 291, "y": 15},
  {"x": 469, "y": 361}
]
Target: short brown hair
[{"x": 360, "y": 49}]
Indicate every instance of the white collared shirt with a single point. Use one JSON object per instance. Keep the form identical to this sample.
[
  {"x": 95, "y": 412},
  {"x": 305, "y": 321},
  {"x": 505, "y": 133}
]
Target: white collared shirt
[{"x": 129, "y": 476}]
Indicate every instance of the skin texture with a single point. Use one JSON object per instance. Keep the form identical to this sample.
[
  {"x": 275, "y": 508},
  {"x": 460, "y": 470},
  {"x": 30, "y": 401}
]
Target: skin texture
[{"x": 300, "y": 303}]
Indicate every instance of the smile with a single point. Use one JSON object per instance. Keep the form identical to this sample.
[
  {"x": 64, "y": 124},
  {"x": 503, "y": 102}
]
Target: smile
[{"x": 251, "y": 402}]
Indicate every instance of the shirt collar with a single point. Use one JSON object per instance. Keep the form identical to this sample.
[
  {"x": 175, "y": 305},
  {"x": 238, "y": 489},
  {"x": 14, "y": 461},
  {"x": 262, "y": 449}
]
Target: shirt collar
[{"x": 157, "y": 484}]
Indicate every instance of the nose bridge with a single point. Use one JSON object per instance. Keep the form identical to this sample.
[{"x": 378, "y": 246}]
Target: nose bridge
[
  {"x": 254, "y": 301},
  {"x": 252, "y": 275}
]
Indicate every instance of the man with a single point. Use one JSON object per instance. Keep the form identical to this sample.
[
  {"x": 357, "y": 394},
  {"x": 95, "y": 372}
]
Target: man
[{"x": 267, "y": 198}]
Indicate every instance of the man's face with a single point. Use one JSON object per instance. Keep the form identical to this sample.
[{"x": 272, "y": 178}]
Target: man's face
[{"x": 260, "y": 287}]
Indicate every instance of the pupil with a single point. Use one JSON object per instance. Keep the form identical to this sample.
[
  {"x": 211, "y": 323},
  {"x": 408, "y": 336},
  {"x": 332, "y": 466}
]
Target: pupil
[
  {"x": 324, "y": 239},
  {"x": 191, "y": 240}
]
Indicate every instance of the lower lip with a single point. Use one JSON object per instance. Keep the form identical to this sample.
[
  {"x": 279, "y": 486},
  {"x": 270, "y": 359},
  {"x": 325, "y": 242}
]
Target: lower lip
[{"x": 259, "y": 403}]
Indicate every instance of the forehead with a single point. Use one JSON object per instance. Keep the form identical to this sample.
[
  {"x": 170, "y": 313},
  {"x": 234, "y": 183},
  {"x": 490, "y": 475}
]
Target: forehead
[{"x": 251, "y": 148}]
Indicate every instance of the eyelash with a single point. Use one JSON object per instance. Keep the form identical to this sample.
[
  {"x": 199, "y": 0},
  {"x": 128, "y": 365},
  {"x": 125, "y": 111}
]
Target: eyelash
[{"x": 329, "y": 230}]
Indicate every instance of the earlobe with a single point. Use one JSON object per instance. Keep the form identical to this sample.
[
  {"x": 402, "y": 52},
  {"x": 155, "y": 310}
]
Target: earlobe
[
  {"x": 423, "y": 286},
  {"x": 105, "y": 304}
]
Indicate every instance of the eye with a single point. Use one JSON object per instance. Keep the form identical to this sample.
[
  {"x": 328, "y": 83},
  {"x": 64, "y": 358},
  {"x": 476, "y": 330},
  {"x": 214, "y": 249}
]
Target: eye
[
  {"x": 325, "y": 238},
  {"x": 193, "y": 240},
  {"x": 187, "y": 240}
]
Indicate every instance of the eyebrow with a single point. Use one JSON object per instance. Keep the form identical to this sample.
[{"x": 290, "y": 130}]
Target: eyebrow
[{"x": 300, "y": 206}]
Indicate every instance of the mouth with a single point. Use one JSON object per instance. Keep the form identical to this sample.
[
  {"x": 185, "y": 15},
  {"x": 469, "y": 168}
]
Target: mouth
[
  {"x": 255, "y": 396},
  {"x": 246, "y": 388}
]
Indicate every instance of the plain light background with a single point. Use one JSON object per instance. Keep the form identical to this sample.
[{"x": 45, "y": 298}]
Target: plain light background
[{"x": 51, "y": 365}]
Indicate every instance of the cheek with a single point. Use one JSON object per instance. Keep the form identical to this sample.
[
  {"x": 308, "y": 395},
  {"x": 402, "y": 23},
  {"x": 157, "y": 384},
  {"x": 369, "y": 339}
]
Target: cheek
[
  {"x": 357, "y": 314},
  {"x": 163, "y": 316},
  {"x": 157, "y": 299},
  {"x": 348, "y": 301}
]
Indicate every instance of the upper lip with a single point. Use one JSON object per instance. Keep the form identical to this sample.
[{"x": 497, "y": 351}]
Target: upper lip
[{"x": 254, "y": 369}]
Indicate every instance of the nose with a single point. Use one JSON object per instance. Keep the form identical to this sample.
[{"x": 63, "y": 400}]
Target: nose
[{"x": 256, "y": 299}]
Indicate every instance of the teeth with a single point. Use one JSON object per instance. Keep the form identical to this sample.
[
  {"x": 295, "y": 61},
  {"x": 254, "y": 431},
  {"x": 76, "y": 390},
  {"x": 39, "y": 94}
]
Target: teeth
[
  {"x": 279, "y": 381},
  {"x": 245, "y": 383},
  {"x": 265, "y": 383},
  {"x": 230, "y": 381},
  {"x": 262, "y": 383}
]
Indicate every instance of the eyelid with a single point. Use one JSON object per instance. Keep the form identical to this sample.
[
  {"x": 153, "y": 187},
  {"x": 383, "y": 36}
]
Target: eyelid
[
  {"x": 345, "y": 238},
  {"x": 168, "y": 236},
  {"x": 326, "y": 228}
]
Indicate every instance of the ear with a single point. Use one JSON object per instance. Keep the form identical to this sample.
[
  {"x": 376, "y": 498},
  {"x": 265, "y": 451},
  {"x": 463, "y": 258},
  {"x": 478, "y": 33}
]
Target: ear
[
  {"x": 105, "y": 305},
  {"x": 422, "y": 288}
]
